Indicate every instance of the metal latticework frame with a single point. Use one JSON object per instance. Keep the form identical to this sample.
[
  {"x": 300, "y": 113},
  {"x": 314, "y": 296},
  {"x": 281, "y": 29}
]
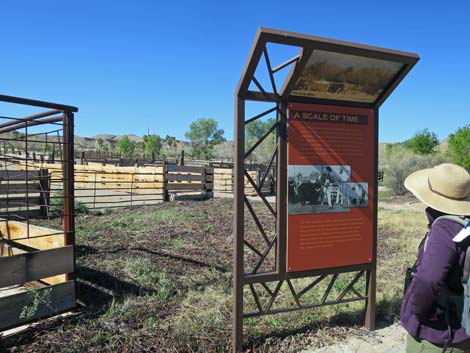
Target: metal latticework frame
[
  {"x": 37, "y": 256},
  {"x": 280, "y": 98},
  {"x": 63, "y": 115}
]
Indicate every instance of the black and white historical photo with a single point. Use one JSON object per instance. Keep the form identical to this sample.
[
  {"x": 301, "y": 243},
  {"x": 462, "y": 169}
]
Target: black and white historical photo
[
  {"x": 317, "y": 188},
  {"x": 355, "y": 195}
]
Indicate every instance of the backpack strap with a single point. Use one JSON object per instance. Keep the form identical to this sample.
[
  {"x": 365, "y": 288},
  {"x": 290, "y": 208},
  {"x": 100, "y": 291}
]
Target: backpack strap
[
  {"x": 466, "y": 266},
  {"x": 464, "y": 222}
]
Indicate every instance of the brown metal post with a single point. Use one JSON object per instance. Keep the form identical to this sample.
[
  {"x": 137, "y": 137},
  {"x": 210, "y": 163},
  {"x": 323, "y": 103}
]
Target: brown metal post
[
  {"x": 371, "y": 275},
  {"x": 238, "y": 224},
  {"x": 68, "y": 170},
  {"x": 281, "y": 192}
]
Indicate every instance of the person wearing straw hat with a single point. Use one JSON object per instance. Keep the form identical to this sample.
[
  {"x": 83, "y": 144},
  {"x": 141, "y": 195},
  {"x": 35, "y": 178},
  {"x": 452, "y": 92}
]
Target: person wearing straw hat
[{"x": 431, "y": 327}]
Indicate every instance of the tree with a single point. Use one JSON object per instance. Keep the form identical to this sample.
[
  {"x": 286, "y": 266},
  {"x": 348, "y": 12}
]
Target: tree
[
  {"x": 204, "y": 134},
  {"x": 423, "y": 142},
  {"x": 170, "y": 141},
  {"x": 459, "y": 147},
  {"x": 153, "y": 144},
  {"x": 126, "y": 146},
  {"x": 254, "y": 131},
  {"x": 101, "y": 145}
]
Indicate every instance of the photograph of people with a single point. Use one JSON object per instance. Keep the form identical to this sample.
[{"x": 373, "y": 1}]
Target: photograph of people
[{"x": 316, "y": 188}]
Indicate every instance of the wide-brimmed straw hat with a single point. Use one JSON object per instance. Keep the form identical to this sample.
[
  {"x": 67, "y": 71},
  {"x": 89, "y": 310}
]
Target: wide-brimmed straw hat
[{"x": 445, "y": 188}]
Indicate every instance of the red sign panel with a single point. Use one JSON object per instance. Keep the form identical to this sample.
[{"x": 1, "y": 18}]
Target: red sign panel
[{"x": 331, "y": 186}]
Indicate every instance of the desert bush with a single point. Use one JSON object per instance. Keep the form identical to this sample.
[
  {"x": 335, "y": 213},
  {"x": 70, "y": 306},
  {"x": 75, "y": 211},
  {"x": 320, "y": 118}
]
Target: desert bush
[
  {"x": 459, "y": 147},
  {"x": 423, "y": 142},
  {"x": 401, "y": 162},
  {"x": 57, "y": 204}
]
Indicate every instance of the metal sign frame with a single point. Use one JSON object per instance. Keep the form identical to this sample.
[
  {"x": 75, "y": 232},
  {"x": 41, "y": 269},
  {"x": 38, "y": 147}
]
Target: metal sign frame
[{"x": 280, "y": 98}]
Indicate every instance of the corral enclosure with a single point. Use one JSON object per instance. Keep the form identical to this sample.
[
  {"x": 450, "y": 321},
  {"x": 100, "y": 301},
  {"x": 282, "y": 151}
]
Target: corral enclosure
[
  {"x": 37, "y": 262},
  {"x": 103, "y": 186}
]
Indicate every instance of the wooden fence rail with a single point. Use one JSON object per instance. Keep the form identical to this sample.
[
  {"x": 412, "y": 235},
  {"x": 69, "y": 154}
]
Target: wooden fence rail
[
  {"x": 99, "y": 186},
  {"x": 36, "y": 257}
]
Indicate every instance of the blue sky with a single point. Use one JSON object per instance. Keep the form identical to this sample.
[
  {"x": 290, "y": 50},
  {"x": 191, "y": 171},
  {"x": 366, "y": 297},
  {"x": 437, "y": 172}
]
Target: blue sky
[{"x": 134, "y": 65}]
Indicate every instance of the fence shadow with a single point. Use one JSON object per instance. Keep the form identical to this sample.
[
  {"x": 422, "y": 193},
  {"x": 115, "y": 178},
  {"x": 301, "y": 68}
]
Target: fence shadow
[{"x": 387, "y": 314}]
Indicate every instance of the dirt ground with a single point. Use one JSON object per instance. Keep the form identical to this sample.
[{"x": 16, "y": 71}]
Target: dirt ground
[
  {"x": 158, "y": 279},
  {"x": 390, "y": 339}
]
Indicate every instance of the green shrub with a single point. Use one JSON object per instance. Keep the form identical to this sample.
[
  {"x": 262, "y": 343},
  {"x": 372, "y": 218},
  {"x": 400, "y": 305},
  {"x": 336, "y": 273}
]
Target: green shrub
[
  {"x": 459, "y": 147},
  {"x": 401, "y": 162},
  {"x": 38, "y": 299},
  {"x": 424, "y": 142},
  {"x": 57, "y": 204}
]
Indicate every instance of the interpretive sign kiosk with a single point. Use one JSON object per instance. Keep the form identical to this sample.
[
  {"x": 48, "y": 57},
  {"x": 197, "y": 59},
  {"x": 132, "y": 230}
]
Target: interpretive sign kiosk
[{"x": 319, "y": 245}]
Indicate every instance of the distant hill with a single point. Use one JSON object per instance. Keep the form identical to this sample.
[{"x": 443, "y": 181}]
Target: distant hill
[
  {"x": 90, "y": 143},
  {"x": 444, "y": 145},
  {"x": 108, "y": 137}
]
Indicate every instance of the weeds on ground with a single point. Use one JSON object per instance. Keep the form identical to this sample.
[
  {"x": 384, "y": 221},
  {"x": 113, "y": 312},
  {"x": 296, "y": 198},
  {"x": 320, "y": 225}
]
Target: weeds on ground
[
  {"x": 203, "y": 319},
  {"x": 186, "y": 304},
  {"x": 38, "y": 298},
  {"x": 171, "y": 215},
  {"x": 142, "y": 272}
]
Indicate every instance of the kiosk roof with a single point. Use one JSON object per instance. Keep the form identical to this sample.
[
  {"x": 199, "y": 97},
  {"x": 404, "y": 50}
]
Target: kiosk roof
[{"x": 327, "y": 71}]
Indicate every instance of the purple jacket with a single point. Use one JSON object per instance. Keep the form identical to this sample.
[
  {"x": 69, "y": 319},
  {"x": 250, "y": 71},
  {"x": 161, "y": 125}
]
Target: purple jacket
[{"x": 439, "y": 267}]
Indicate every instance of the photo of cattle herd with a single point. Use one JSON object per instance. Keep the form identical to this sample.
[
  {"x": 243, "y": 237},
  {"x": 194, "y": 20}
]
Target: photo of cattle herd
[
  {"x": 345, "y": 77},
  {"x": 324, "y": 189}
]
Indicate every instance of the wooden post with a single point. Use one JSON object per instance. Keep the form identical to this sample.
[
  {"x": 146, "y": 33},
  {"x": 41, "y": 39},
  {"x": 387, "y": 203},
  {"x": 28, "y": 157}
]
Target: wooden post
[
  {"x": 182, "y": 158},
  {"x": 209, "y": 190},
  {"x": 45, "y": 192},
  {"x": 166, "y": 196},
  {"x": 82, "y": 157}
]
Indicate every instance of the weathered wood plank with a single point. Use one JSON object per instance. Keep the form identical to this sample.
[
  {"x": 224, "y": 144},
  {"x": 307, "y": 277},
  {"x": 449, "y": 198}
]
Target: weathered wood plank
[
  {"x": 18, "y": 175},
  {"x": 32, "y": 266},
  {"x": 182, "y": 187},
  {"x": 20, "y": 188},
  {"x": 40, "y": 238},
  {"x": 185, "y": 177},
  {"x": 185, "y": 169},
  {"x": 61, "y": 298},
  {"x": 20, "y": 201}
]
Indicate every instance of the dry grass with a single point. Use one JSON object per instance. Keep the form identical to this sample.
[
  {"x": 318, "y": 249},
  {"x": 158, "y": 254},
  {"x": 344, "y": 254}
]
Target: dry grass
[{"x": 163, "y": 284}]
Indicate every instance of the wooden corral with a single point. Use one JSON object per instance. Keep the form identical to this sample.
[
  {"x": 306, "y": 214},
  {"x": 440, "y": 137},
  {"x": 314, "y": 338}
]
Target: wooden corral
[
  {"x": 159, "y": 183},
  {"x": 113, "y": 186},
  {"x": 24, "y": 191},
  {"x": 37, "y": 263},
  {"x": 223, "y": 181}
]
